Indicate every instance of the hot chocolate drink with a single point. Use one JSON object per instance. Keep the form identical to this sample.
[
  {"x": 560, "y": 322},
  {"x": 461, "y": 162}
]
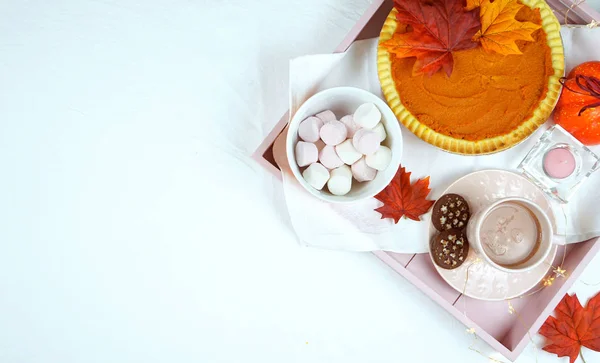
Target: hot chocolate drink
[{"x": 510, "y": 234}]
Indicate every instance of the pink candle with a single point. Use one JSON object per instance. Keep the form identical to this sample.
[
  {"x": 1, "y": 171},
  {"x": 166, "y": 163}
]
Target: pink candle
[{"x": 559, "y": 163}]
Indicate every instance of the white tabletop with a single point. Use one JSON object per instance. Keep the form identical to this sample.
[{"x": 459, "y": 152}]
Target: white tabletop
[{"x": 133, "y": 225}]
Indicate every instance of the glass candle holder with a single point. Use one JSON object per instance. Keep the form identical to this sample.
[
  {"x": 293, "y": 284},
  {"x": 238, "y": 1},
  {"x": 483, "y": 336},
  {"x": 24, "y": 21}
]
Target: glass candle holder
[{"x": 559, "y": 164}]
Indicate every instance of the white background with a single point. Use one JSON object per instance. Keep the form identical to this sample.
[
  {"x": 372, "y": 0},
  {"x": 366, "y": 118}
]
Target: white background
[{"x": 133, "y": 225}]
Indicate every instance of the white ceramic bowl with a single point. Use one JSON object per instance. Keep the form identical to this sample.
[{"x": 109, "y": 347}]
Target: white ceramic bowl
[{"x": 344, "y": 101}]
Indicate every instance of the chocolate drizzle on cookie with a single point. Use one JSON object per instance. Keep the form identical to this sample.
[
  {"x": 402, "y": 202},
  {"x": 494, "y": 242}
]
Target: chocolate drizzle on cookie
[
  {"x": 450, "y": 211},
  {"x": 450, "y": 248}
]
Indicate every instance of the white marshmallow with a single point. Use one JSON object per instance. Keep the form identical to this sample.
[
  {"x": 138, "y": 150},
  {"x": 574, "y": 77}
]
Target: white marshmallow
[
  {"x": 326, "y": 116},
  {"x": 308, "y": 130},
  {"x": 306, "y": 153},
  {"x": 367, "y": 115},
  {"x": 352, "y": 126},
  {"x": 362, "y": 172},
  {"x": 340, "y": 181},
  {"x": 380, "y": 130},
  {"x": 329, "y": 158},
  {"x": 333, "y": 132},
  {"x": 380, "y": 159},
  {"x": 366, "y": 141},
  {"x": 316, "y": 175},
  {"x": 347, "y": 152}
]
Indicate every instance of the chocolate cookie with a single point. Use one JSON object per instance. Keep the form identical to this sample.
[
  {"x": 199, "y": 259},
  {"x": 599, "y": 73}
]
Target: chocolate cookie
[
  {"x": 450, "y": 211},
  {"x": 450, "y": 248}
]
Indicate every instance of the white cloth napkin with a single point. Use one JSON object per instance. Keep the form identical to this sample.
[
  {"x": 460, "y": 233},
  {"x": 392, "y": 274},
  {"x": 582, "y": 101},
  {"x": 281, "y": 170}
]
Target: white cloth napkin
[{"x": 357, "y": 227}]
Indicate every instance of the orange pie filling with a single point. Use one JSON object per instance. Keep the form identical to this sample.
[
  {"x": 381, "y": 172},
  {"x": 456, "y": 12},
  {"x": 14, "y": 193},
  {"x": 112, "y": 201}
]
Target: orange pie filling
[{"x": 487, "y": 95}]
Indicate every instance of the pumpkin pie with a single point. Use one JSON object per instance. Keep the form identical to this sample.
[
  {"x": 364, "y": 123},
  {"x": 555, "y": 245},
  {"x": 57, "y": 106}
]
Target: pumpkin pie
[{"x": 491, "y": 101}]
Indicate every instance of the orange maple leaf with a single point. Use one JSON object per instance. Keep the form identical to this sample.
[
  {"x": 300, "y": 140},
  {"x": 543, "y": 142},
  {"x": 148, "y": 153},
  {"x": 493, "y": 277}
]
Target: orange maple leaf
[
  {"x": 499, "y": 28},
  {"x": 573, "y": 327},
  {"x": 400, "y": 198}
]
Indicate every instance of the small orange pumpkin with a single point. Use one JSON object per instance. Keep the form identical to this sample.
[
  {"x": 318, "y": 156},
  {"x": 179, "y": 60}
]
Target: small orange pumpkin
[{"x": 578, "y": 108}]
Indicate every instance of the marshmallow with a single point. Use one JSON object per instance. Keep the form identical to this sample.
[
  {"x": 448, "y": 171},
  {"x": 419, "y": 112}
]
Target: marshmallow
[
  {"x": 309, "y": 129},
  {"x": 380, "y": 159},
  {"x": 380, "y": 130},
  {"x": 366, "y": 141},
  {"x": 316, "y": 175},
  {"x": 326, "y": 116},
  {"x": 333, "y": 132},
  {"x": 352, "y": 126},
  {"x": 367, "y": 115},
  {"x": 362, "y": 172},
  {"x": 340, "y": 181},
  {"x": 347, "y": 152},
  {"x": 329, "y": 158},
  {"x": 306, "y": 153}
]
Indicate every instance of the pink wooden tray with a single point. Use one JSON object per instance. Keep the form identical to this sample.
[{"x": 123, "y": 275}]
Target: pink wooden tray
[{"x": 502, "y": 331}]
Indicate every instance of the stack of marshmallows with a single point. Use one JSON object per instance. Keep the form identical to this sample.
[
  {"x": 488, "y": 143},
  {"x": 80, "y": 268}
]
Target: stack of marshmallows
[{"x": 334, "y": 152}]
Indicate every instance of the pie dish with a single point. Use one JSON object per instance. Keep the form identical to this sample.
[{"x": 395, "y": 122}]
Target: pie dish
[{"x": 491, "y": 102}]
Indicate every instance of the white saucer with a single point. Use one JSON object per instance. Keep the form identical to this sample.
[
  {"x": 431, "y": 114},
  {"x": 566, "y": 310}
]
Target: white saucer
[{"x": 485, "y": 282}]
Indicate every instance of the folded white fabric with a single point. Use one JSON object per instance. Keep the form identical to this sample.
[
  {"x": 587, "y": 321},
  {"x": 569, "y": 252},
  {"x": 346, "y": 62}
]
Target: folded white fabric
[{"x": 357, "y": 227}]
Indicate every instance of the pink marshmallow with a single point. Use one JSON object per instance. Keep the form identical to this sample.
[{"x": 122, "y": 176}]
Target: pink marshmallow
[
  {"x": 333, "y": 133},
  {"x": 329, "y": 158},
  {"x": 306, "y": 153},
  {"x": 362, "y": 172},
  {"x": 309, "y": 129},
  {"x": 326, "y": 116},
  {"x": 366, "y": 141},
  {"x": 352, "y": 126}
]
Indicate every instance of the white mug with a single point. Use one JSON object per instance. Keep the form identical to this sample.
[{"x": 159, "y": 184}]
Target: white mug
[{"x": 485, "y": 249}]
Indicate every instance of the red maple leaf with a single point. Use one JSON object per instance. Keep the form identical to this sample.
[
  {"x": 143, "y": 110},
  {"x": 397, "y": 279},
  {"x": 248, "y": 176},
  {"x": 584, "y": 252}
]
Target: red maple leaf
[
  {"x": 573, "y": 327},
  {"x": 400, "y": 198},
  {"x": 439, "y": 27}
]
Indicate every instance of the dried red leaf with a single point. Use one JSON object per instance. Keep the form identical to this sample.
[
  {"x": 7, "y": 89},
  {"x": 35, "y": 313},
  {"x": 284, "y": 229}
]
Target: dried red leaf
[
  {"x": 439, "y": 27},
  {"x": 573, "y": 327},
  {"x": 400, "y": 198}
]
